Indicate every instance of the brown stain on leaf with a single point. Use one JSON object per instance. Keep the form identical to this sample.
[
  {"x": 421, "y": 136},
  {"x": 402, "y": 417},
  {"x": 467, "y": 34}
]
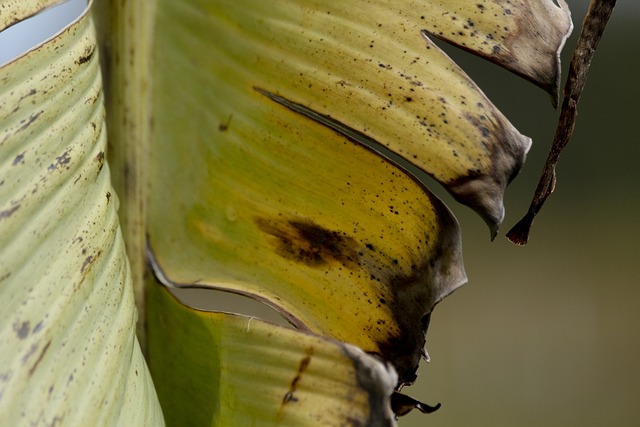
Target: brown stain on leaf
[
  {"x": 30, "y": 352},
  {"x": 308, "y": 243},
  {"x": 42, "y": 353},
  {"x": 407, "y": 293},
  {"x": 289, "y": 396},
  {"x": 412, "y": 295},
  {"x": 223, "y": 127},
  {"x": 100, "y": 159},
  {"x": 410, "y": 302}
]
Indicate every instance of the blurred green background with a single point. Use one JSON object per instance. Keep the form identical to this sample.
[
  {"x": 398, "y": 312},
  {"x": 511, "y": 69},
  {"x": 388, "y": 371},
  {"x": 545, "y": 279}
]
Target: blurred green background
[{"x": 547, "y": 334}]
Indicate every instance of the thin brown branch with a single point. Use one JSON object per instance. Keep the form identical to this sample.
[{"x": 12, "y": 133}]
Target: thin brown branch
[{"x": 592, "y": 29}]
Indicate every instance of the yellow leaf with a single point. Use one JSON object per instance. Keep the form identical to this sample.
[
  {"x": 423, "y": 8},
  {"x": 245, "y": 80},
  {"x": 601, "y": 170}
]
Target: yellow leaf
[
  {"x": 249, "y": 195},
  {"x": 525, "y": 37}
]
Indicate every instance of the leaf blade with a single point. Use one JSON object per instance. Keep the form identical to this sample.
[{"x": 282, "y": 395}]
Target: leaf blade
[
  {"x": 259, "y": 373},
  {"x": 69, "y": 351},
  {"x": 418, "y": 104},
  {"x": 261, "y": 180}
]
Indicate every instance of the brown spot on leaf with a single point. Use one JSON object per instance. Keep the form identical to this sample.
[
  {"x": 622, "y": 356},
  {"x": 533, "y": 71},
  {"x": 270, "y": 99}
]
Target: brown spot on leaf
[
  {"x": 223, "y": 127},
  {"x": 302, "y": 367},
  {"x": 100, "y": 160},
  {"x": 100, "y": 157},
  {"x": 308, "y": 243},
  {"x": 86, "y": 262},
  {"x": 29, "y": 353},
  {"x": 42, "y": 353}
]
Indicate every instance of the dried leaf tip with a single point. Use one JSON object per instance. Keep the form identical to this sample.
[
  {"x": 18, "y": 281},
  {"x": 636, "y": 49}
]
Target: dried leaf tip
[{"x": 403, "y": 404}]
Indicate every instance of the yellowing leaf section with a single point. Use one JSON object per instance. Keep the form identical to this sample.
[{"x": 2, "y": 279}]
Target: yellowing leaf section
[
  {"x": 368, "y": 65},
  {"x": 248, "y": 195}
]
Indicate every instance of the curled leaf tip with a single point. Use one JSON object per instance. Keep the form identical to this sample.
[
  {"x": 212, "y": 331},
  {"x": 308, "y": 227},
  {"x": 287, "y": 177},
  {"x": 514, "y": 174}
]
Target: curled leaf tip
[
  {"x": 483, "y": 195},
  {"x": 516, "y": 43},
  {"x": 425, "y": 356},
  {"x": 403, "y": 404}
]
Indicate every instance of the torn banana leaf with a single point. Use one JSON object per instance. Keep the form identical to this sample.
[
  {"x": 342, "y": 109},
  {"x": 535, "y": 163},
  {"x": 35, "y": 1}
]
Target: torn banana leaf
[
  {"x": 367, "y": 65},
  {"x": 241, "y": 371},
  {"x": 69, "y": 354},
  {"x": 525, "y": 37},
  {"x": 250, "y": 195}
]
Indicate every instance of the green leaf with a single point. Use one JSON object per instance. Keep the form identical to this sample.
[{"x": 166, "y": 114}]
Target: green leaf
[
  {"x": 233, "y": 371},
  {"x": 68, "y": 348}
]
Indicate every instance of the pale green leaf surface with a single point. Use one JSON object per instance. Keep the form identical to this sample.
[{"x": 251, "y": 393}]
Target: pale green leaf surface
[
  {"x": 68, "y": 351},
  {"x": 14, "y": 11},
  {"x": 250, "y": 196},
  {"x": 221, "y": 369}
]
